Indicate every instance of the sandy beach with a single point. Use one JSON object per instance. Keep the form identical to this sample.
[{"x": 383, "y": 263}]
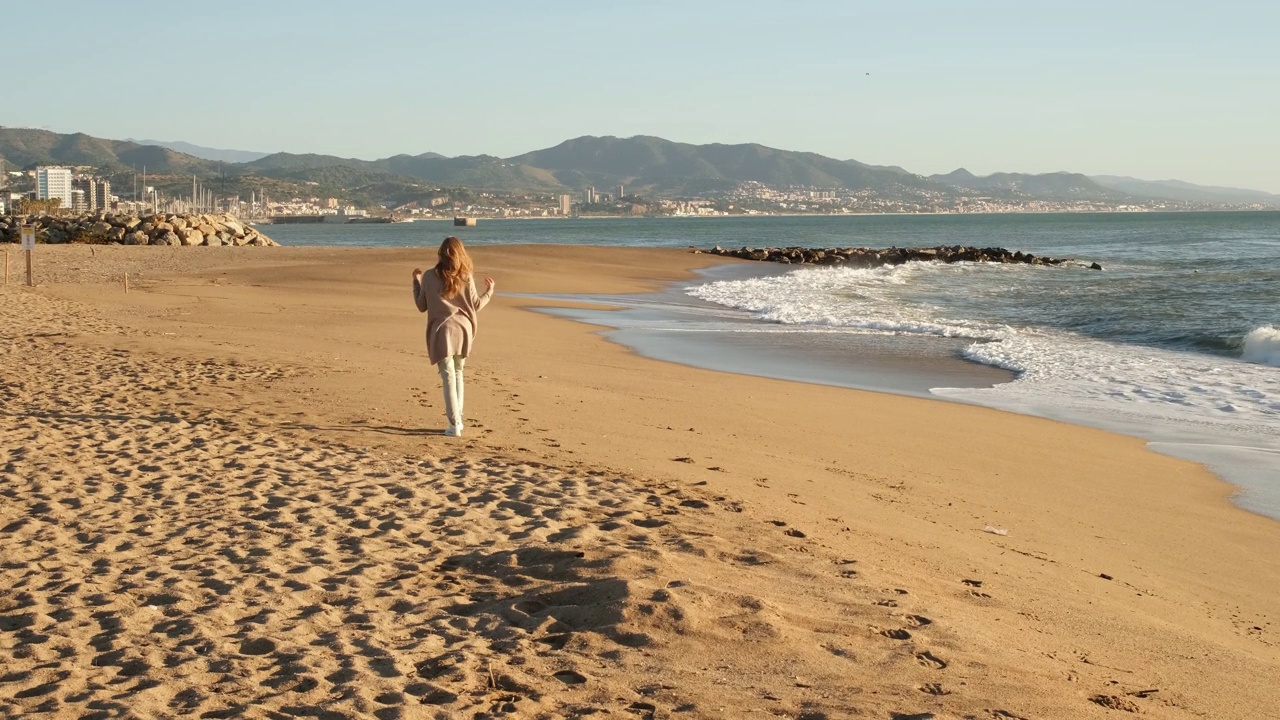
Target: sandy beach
[{"x": 227, "y": 494}]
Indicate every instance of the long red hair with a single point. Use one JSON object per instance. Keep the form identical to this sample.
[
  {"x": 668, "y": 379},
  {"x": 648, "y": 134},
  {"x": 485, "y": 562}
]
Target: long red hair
[{"x": 454, "y": 266}]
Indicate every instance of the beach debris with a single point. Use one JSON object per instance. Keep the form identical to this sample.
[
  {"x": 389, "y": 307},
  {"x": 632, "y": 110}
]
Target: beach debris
[
  {"x": 683, "y": 460},
  {"x": 995, "y": 530},
  {"x": 972, "y": 583},
  {"x": 1144, "y": 693},
  {"x": 1105, "y": 576},
  {"x": 792, "y": 532}
]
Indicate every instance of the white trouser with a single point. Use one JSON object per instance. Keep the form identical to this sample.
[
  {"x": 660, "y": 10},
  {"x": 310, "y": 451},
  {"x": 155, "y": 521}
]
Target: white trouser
[{"x": 451, "y": 379}]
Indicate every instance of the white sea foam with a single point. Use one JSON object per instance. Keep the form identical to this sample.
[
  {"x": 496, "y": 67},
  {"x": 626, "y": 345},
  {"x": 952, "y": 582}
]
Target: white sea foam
[
  {"x": 1189, "y": 400},
  {"x": 1262, "y": 346},
  {"x": 841, "y": 297}
]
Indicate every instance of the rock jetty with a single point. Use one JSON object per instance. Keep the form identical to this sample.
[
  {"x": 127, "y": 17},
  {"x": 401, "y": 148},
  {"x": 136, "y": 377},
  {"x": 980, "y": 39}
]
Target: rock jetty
[
  {"x": 112, "y": 229},
  {"x": 868, "y": 257}
]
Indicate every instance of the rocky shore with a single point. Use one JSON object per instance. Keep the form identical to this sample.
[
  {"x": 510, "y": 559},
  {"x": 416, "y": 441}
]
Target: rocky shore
[
  {"x": 869, "y": 257},
  {"x": 160, "y": 229}
]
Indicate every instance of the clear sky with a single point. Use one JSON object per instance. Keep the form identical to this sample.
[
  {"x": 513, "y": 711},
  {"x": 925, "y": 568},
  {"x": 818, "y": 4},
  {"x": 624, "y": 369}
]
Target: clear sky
[{"x": 1157, "y": 90}]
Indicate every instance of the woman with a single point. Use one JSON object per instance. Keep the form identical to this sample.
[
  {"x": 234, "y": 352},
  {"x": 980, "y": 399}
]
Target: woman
[{"x": 448, "y": 296}]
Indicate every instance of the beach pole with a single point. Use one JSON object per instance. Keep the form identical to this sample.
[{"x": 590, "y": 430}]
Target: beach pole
[
  {"x": 126, "y": 282},
  {"x": 6, "y": 266},
  {"x": 28, "y": 234}
]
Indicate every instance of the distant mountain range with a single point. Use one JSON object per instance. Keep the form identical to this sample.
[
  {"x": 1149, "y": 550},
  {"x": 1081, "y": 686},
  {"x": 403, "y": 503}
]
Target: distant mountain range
[
  {"x": 1058, "y": 186},
  {"x": 1184, "y": 191},
  {"x": 647, "y": 165},
  {"x": 205, "y": 153}
]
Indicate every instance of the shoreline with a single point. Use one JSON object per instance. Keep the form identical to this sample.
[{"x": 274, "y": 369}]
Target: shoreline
[
  {"x": 862, "y": 214},
  {"x": 635, "y": 321},
  {"x": 814, "y": 532}
]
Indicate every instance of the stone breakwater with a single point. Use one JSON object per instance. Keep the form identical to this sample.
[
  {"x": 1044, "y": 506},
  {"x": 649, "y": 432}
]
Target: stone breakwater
[
  {"x": 868, "y": 257},
  {"x": 161, "y": 229}
]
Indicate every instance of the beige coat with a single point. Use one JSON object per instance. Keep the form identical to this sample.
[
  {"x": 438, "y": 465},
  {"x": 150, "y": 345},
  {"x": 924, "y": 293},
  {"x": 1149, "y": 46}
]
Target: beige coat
[{"x": 451, "y": 322}]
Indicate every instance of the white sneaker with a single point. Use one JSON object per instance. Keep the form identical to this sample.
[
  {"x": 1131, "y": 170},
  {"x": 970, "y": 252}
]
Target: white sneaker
[{"x": 453, "y": 431}]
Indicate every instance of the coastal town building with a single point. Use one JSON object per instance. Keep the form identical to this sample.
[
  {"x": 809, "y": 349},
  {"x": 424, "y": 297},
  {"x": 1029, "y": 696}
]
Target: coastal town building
[
  {"x": 54, "y": 182},
  {"x": 566, "y": 205},
  {"x": 96, "y": 191}
]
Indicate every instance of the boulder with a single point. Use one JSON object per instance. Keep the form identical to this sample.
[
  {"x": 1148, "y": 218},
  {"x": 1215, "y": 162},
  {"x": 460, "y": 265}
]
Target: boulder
[
  {"x": 99, "y": 228},
  {"x": 137, "y": 237},
  {"x": 191, "y": 237},
  {"x": 213, "y": 241},
  {"x": 166, "y": 238},
  {"x": 117, "y": 234},
  {"x": 236, "y": 228}
]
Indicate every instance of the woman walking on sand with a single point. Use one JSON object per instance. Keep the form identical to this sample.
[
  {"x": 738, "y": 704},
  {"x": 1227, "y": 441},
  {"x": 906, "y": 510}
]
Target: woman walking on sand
[{"x": 447, "y": 294}]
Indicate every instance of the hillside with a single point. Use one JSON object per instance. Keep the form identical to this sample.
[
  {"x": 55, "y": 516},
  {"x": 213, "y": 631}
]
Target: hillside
[
  {"x": 1047, "y": 186},
  {"x": 1180, "y": 191},
  {"x": 24, "y": 148},
  {"x": 650, "y": 162},
  {"x": 646, "y": 164}
]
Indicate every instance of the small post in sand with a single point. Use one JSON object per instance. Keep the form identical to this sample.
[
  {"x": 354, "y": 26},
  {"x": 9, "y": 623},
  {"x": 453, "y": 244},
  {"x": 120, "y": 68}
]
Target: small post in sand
[
  {"x": 29, "y": 245},
  {"x": 6, "y": 266},
  {"x": 126, "y": 282}
]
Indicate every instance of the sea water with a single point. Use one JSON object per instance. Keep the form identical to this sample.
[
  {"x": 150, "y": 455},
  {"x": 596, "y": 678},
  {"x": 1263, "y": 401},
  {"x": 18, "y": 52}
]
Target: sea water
[{"x": 1176, "y": 340}]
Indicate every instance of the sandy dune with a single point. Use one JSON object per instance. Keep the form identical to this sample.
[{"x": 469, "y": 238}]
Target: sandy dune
[{"x": 226, "y": 495}]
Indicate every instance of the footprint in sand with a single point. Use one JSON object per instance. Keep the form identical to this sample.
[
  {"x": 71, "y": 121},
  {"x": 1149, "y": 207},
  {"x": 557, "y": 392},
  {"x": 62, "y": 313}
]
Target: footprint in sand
[
  {"x": 569, "y": 677},
  {"x": 930, "y": 660}
]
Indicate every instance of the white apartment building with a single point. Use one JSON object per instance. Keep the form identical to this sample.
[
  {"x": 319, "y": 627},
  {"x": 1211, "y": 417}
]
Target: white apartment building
[{"x": 54, "y": 182}]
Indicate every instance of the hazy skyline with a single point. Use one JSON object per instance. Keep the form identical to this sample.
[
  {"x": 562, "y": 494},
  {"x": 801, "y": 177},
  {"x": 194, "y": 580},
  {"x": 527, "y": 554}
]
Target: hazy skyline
[{"x": 1151, "y": 90}]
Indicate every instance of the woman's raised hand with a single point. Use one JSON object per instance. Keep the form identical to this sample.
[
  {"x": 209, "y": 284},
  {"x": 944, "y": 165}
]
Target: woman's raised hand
[
  {"x": 417, "y": 274},
  {"x": 489, "y": 283}
]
